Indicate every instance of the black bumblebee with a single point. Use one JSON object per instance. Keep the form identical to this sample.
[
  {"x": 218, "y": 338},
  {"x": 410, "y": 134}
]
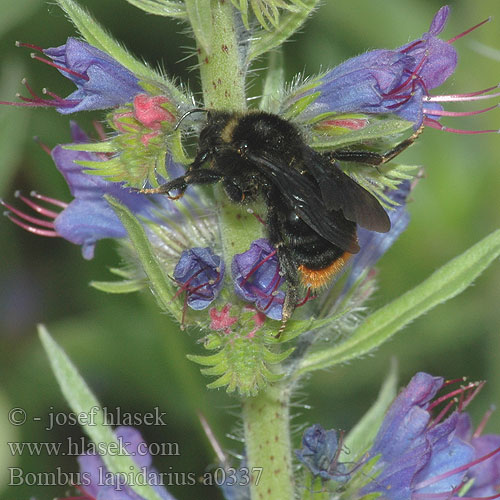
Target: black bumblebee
[{"x": 313, "y": 207}]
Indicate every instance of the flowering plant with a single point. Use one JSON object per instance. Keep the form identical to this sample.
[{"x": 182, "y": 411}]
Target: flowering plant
[{"x": 227, "y": 270}]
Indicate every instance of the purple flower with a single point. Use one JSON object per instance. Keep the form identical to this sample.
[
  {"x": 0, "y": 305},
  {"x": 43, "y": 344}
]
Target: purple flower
[
  {"x": 200, "y": 273},
  {"x": 101, "y": 82},
  {"x": 257, "y": 279},
  {"x": 392, "y": 81},
  {"x": 98, "y": 482},
  {"x": 486, "y": 472},
  {"x": 89, "y": 217},
  {"x": 416, "y": 455},
  {"x": 320, "y": 451}
]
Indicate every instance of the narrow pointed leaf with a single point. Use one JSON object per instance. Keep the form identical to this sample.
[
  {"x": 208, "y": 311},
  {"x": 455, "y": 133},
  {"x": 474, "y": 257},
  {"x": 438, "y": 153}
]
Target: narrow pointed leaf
[
  {"x": 126, "y": 286},
  {"x": 445, "y": 283},
  {"x": 161, "y": 7},
  {"x": 289, "y": 23},
  {"x": 83, "y": 402},
  {"x": 159, "y": 282},
  {"x": 274, "y": 83}
]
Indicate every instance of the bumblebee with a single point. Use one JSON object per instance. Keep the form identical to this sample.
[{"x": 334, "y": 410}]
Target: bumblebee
[{"x": 313, "y": 207}]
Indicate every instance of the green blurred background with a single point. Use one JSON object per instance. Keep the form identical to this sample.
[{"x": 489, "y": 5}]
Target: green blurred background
[{"x": 129, "y": 353}]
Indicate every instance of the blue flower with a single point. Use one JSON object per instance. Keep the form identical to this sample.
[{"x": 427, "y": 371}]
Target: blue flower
[
  {"x": 97, "y": 482},
  {"x": 200, "y": 273},
  {"x": 416, "y": 454},
  {"x": 391, "y": 81},
  {"x": 101, "y": 81},
  {"x": 257, "y": 279},
  {"x": 486, "y": 470},
  {"x": 88, "y": 218}
]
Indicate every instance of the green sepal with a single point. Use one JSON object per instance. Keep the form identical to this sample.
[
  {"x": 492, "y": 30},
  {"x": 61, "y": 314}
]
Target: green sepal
[
  {"x": 83, "y": 402},
  {"x": 285, "y": 26},
  {"x": 243, "y": 363},
  {"x": 125, "y": 286},
  {"x": 97, "y": 36},
  {"x": 165, "y": 8},
  {"x": 274, "y": 83},
  {"x": 162, "y": 286},
  {"x": 93, "y": 147},
  {"x": 381, "y": 325},
  {"x": 379, "y": 127}
]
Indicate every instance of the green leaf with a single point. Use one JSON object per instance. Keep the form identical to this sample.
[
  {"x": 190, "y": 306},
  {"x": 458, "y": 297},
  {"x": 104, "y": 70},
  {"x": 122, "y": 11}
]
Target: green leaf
[
  {"x": 274, "y": 83},
  {"x": 263, "y": 41},
  {"x": 161, "y": 7},
  {"x": 83, "y": 403},
  {"x": 380, "y": 326},
  {"x": 126, "y": 286},
  {"x": 363, "y": 433},
  {"x": 163, "y": 288},
  {"x": 200, "y": 18},
  {"x": 99, "y": 38}
]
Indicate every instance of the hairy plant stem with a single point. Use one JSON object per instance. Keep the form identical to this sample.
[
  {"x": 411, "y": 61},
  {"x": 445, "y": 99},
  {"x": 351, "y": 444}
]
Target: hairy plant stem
[
  {"x": 265, "y": 416},
  {"x": 266, "y": 420}
]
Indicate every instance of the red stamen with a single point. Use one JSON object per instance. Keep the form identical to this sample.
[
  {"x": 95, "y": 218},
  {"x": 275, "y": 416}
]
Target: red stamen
[
  {"x": 42, "y": 145},
  {"x": 429, "y": 122},
  {"x": 413, "y": 45},
  {"x": 438, "y": 112},
  {"x": 37, "y": 208},
  {"x": 257, "y": 266},
  {"x": 466, "y": 32},
  {"x": 455, "y": 381},
  {"x": 482, "y": 424},
  {"x": 58, "y": 203},
  {"x": 463, "y": 97},
  {"x": 24, "y": 82},
  {"x": 29, "y": 218},
  {"x": 442, "y": 413},
  {"x": 452, "y": 472},
  {"x": 276, "y": 280},
  {"x": 29, "y": 45},
  {"x": 32, "y": 229},
  {"x": 61, "y": 68},
  {"x": 450, "y": 395},
  {"x": 413, "y": 76}
]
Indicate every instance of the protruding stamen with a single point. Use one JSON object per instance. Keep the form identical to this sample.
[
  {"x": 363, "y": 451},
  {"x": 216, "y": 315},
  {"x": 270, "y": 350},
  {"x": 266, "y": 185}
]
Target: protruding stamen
[
  {"x": 471, "y": 96},
  {"x": 59, "y": 67},
  {"x": 466, "y": 32},
  {"x": 55, "y": 202},
  {"x": 442, "y": 112},
  {"x": 29, "y": 46},
  {"x": 272, "y": 254},
  {"x": 26, "y": 217},
  {"x": 429, "y": 122},
  {"x": 42, "y": 145},
  {"x": 37, "y": 208},
  {"x": 480, "y": 428},
  {"x": 457, "y": 470},
  {"x": 32, "y": 229}
]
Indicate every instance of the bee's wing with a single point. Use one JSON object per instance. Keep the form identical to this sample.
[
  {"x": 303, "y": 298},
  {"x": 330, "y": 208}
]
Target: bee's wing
[
  {"x": 340, "y": 192},
  {"x": 303, "y": 196}
]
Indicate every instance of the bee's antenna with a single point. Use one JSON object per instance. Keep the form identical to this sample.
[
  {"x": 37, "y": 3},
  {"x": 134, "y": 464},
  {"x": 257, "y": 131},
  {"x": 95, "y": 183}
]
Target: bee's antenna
[{"x": 187, "y": 113}]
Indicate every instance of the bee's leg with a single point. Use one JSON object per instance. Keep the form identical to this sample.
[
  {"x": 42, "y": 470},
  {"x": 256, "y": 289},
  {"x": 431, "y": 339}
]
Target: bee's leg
[
  {"x": 200, "y": 176},
  {"x": 371, "y": 158}
]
